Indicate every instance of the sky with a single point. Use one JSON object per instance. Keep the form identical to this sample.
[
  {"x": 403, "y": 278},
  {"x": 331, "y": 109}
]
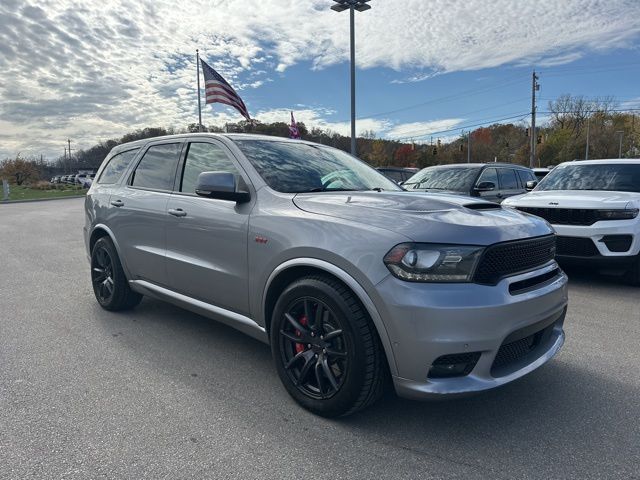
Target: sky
[{"x": 91, "y": 71}]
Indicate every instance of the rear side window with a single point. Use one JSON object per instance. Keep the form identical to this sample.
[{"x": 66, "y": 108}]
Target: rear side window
[
  {"x": 508, "y": 180},
  {"x": 116, "y": 166},
  {"x": 204, "y": 157},
  {"x": 489, "y": 175},
  {"x": 157, "y": 168}
]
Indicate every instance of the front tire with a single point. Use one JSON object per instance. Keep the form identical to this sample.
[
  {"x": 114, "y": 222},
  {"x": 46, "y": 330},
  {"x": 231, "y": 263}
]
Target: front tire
[
  {"x": 109, "y": 282},
  {"x": 633, "y": 275},
  {"x": 325, "y": 347}
]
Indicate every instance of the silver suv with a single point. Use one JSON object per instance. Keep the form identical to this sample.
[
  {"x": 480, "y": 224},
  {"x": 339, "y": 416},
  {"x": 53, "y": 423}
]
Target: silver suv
[{"x": 350, "y": 279}]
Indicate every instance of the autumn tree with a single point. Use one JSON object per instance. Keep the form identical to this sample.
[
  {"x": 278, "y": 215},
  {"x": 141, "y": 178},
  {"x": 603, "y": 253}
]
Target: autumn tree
[{"x": 18, "y": 170}]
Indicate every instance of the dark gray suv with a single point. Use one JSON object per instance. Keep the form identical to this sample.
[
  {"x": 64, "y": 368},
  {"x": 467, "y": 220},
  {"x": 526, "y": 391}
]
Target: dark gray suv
[
  {"x": 350, "y": 279},
  {"x": 489, "y": 181}
]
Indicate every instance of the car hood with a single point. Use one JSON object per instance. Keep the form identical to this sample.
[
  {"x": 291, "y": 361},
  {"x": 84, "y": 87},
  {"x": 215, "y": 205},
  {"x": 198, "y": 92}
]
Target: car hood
[
  {"x": 427, "y": 218},
  {"x": 575, "y": 199}
]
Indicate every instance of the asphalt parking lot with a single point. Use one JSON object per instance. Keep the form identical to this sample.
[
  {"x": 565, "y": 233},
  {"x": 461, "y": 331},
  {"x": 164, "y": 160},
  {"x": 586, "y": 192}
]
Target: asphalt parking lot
[{"x": 159, "y": 392}]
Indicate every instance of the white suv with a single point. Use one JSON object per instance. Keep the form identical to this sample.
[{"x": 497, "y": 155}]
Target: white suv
[{"x": 593, "y": 205}]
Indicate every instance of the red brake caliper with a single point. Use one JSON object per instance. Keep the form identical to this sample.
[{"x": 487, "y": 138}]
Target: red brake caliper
[{"x": 300, "y": 347}]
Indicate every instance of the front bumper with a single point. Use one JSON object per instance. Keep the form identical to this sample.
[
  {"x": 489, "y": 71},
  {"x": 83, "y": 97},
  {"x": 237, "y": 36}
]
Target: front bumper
[
  {"x": 598, "y": 234},
  {"x": 428, "y": 321}
]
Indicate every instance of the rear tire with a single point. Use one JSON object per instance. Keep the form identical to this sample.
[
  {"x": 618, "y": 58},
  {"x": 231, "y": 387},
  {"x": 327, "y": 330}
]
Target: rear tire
[
  {"x": 325, "y": 347},
  {"x": 109, "y": 282}
]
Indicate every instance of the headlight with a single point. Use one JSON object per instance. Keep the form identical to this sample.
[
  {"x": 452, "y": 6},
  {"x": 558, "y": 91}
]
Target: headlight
[
  {"x": 425, "y": 262},
  {"x": 619, "y": 214}
]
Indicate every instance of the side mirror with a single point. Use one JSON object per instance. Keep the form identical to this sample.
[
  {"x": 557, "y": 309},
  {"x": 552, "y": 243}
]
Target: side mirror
[
  {"x": 530, "y": 185},
  {"x": 485, "y": 187},
  {"x": 220, "y": 185}
]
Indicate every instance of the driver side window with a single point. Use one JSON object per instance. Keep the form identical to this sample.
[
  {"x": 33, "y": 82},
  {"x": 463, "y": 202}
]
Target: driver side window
[{"x": 204, "y": 157}]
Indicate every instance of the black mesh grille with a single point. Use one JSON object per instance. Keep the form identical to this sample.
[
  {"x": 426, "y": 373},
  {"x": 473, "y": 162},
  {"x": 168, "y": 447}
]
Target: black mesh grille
[
  {"x": 514, "y": 351},
  {"x": 509, "y": 258},
  {"x": 576, "y": 247},
  {"x": 564, "y": 216}
]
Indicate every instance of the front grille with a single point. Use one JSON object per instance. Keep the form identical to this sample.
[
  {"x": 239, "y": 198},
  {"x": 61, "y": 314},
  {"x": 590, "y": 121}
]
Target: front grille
[
  {"x": 510, "y": 258},
  {"x": 576, "y": 247},
  {"x": 514, "y": 351},
  {"x": 564, "y": 216}
]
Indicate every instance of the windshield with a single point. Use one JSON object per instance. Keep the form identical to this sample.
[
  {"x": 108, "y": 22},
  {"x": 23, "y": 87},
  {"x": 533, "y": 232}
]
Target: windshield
[
  {"x": 618, "y": 177},
  {"x": 455, "y": 179},
  {"x": 291, "y": 167}
]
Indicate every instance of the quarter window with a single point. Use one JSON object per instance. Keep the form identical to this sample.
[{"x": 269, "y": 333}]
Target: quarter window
[
  {"x": 508, "y": 180},
  {"x": 116, "y": 166},
  {"x": 204, "y": 157},
  {"x": 157, "y": 169}
]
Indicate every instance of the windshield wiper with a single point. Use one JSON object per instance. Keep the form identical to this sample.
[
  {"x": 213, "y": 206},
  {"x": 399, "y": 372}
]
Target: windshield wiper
[{"x": 324, "y": 189}]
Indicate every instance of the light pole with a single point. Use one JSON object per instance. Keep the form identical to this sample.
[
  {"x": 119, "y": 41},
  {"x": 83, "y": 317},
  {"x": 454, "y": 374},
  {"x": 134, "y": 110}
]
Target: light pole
[
  {"x": 352, "y": 6},
  {"x": 620, "y": 132}
]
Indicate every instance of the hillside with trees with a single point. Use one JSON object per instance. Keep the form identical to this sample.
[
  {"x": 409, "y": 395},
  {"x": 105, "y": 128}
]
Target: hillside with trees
[{"x": 562, "y": 138}]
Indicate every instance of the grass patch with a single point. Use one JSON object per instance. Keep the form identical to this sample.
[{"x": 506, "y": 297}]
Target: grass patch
[{"x": 28, "y": 193}]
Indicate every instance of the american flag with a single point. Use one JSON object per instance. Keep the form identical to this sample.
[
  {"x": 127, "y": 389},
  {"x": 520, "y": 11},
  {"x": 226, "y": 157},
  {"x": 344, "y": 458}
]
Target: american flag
[
  {"x": 294, "y": 132},
  {"x": 217, "y": 90}
]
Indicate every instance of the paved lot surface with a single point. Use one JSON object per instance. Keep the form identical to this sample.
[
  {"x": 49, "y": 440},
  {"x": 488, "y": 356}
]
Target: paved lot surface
[{"x": 163, "y": 393}]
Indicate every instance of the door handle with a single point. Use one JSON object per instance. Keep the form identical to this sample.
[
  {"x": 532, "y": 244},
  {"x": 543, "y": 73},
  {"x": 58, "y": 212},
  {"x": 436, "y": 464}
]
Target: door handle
[
  {"x": 117, "y": 203},
  {"x": 177, "y": 212}
]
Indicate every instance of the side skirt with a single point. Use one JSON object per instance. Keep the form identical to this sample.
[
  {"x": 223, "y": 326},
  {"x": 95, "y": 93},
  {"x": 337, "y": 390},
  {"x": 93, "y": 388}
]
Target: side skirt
[{"x": 234, "y": 320}]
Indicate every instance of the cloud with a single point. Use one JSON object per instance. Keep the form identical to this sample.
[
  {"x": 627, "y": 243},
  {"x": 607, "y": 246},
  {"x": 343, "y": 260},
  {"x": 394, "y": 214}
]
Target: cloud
[
  {"x": 420, "y": 129},
  {"x": 74, "y": 67}
]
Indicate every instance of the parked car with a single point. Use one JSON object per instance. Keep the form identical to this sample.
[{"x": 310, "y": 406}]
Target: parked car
[
  {"x": 593, "y": 205},
  {"x": 489, "y": 181},
  {"x": 540, "y": 173},
  {"x": 345, "y": 275},
  {"x": 54, "y": 179},
  {"x": 398, "y": 174}
]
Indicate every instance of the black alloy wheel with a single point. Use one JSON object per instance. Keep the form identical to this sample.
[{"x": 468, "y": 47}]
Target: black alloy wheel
[
  {"x": 325, "y": 347},
  {"x": 102, "y": 275},
  {"x": 109, "y": 282},
  {"x": 313, "y": 348}
]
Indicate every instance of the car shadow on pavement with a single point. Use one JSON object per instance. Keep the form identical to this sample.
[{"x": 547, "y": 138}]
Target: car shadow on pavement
[
  {"x": 562, "y": 412},
  {"x": 584, "y": 276},
  {"x": 556, "y": 413}
]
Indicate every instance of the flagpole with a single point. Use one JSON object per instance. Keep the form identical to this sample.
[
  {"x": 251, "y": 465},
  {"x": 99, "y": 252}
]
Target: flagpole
[{"x": 199, "y": 105}]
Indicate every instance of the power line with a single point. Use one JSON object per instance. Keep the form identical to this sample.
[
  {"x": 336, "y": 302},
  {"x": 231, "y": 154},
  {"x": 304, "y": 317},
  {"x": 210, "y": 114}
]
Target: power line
[
  {"x": 461, "y": 127},
  {"x": 465, "y": 93}
]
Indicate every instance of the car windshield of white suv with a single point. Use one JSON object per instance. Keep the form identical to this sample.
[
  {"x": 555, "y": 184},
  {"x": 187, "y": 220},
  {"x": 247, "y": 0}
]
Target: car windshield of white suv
[
  {"x": 615, "y": 177},
  {"x": 453, "y": 179},
  {"x": 292, "y": 167}
]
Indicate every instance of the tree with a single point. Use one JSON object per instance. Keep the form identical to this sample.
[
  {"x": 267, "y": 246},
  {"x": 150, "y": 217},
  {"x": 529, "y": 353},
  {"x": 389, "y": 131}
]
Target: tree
[{"x": 18, "y": 170}]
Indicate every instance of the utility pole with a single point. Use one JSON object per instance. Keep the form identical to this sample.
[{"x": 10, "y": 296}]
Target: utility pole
[
  {"x": 198, "y": 77},
  {"x": 535, "y": 86},
  {"x": 586, "y": 153},
  {"x": 469, "y": 147},
  {"x": 621, "y": 133}
]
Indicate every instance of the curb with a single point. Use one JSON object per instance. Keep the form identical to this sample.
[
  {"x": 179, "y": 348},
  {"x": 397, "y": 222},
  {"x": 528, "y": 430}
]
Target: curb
[{"x": 9, "y": 202}]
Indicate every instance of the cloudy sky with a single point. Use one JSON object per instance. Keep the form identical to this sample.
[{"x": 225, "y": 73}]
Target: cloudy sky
[{"x": 91, "y": 71}]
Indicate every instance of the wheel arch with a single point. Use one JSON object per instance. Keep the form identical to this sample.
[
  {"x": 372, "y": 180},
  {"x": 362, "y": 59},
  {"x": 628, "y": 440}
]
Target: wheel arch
[
  {"x": 290, "y": 270},
  {"x": 99, "y": 231}
]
